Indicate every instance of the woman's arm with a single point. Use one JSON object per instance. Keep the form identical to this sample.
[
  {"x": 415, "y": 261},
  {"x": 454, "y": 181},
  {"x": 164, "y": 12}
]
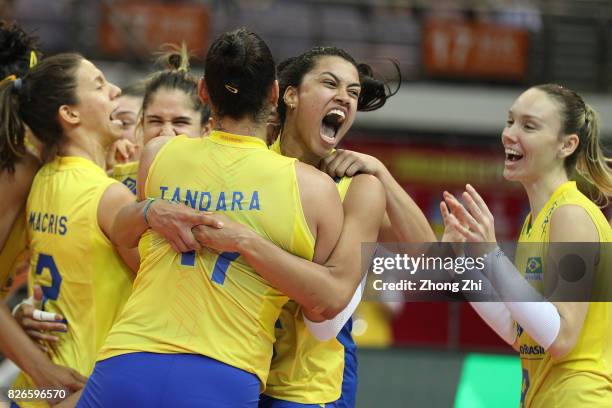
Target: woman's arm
[
  {"x": 556, "y": 326},
  {"x": 322, "y": 290},
  {"x": 16, "y": 345},
  {"x": 172, "y": 221},
  {"x": 404, "y": 221}
]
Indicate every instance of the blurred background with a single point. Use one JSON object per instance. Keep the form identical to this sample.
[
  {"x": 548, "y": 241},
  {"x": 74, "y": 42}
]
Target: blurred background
[{"x": 462, "y": 65}]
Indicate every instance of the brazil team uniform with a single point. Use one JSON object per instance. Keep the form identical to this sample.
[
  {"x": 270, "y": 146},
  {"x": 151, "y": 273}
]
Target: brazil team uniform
[
  {"x": 82, "y": 276},
  {"x": 583, "y": 378},
  {"x": 306, "y": 372},
  {"x": 10, "y": 255},
  {"x": 127, "y": 174},
  {"x": 208, "y": 316}
]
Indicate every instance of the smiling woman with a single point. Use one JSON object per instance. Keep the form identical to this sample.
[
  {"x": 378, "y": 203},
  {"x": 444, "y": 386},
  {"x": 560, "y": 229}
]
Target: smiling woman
[
  {"x": 564, "y": 346},
  {"x": 67, "y": 103}
]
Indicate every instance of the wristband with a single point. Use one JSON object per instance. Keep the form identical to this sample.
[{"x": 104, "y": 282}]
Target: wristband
[{"x": 146, "y": 210}]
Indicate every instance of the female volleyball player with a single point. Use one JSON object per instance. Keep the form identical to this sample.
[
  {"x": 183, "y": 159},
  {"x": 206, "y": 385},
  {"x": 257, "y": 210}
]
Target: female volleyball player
[
  {"x": 170, "y": 106},
  {"x": 67, "y": 103},
  {"x": 322, "y": 90},
  {"x": 565, "y": 347},
  {"x": 19, "y": 53},
  {"x": 198, "y": 328}
]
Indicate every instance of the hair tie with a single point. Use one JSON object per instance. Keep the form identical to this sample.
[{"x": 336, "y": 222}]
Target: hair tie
[
  {"x": 33, "y": 59},
  {"x": 231, "y": 89}
]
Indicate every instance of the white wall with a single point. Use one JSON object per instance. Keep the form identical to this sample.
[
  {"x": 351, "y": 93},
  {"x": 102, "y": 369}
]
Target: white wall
[{"x": 464, "y": 108}]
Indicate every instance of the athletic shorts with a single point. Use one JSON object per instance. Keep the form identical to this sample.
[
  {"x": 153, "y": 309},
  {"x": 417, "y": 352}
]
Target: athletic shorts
[{"x": 169, "y": 380}]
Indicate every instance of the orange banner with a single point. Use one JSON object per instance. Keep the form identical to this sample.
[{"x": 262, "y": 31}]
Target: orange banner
[
  {"x": 474, "y": 50},
  {"x": 137, "y": 27}
]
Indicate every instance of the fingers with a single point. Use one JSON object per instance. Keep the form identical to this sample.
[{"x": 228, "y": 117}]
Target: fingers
[
  {"x": 31, "y": 324},
  {"x": 326, "y": 161},
  {"x": 465, "y": 218},
  {"x": 37, "y": 293},
  {"x": 79, "y": 380},
  {"x": 190, "y": 241},
  {"x": 353, "y": 169},
  {"x": 445, "y": 214},
  {"x": 473, "y": 207},
  {"x": 179, "y": 245},
  {"x": 478, "y": 199},
  {"x": 40, "y": 336},
  {"x": 209, "y": 220},
  {"x": 338, "y": 166}
]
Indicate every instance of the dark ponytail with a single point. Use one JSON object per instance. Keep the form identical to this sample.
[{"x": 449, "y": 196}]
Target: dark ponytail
[
  {"x": 374, "y": 92},
  {"x": 34, "y": 100},
  {"x": 239, "y": 74}
]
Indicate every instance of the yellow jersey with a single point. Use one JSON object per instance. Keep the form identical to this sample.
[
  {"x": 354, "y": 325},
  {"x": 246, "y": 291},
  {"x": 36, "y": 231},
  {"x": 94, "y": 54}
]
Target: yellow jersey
[
  {"x": 206, "y": 303},
  {"x": 82, "y": 276},
  {"x": 9, "y": 256},
  {"x": 304, "y": 369},
  {"x": 583, "y": 378},
  {"x": 127, "y": 174}
]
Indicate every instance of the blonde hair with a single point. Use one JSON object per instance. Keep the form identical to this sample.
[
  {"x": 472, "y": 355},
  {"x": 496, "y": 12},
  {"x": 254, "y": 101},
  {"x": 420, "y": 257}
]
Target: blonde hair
[{"x": 588, "y": 159}]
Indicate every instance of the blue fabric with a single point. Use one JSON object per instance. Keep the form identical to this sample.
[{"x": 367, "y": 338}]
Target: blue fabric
[
  {"x": 349, "y": 378},
  {"x": 169, "y": 380},
  {"x": 269, "y": 402}
]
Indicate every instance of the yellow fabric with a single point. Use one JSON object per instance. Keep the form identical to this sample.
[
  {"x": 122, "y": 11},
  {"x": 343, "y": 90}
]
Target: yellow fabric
[
  {"x": 372, "y": 325},
  {"x": 82, "y": 276},
  {"x": 127, "y": 174},
  {"x": 583, "y": 378},
  {"x": 181, "y": 308},
  {"x": 304, "y": 369},
  {"x": 9, "y": 256}
]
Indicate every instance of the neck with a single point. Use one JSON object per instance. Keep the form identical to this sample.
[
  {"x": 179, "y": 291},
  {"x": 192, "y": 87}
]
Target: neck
[
  {"x": 292, "y": 145},
  {"x": 84, "y": 145},
  {"x": 541, "y": 189},
  {"x": 244, "y": 127}
]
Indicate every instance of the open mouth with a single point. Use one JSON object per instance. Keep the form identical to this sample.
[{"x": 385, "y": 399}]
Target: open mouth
[
  {"x": 330, "y": 125},
  {"x": 513, "y": 155}
]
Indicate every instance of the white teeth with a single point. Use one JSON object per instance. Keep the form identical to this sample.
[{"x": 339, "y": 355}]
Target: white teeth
[
  {"x": 338, "y": 112},
  {"x": 514, "y": 152}
]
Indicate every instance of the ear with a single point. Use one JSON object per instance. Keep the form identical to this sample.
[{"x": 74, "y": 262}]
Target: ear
[
  {"x": 203, "y": 91},
  {"x": 569, "y": 146},
  {"x": 290, "y": 97},
  {"x": 69, "y": 115},
  {"x": 274, "y": 94}
]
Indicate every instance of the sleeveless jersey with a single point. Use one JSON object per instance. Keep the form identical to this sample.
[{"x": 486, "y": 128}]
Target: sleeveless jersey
[
  {"x": 584, "y": 376},
  {"x": 206, "y": 303},
  {"x": 127, "y": 174},
  {"x": 82, "y": 276},
  {"x": 304, "y": 369}
]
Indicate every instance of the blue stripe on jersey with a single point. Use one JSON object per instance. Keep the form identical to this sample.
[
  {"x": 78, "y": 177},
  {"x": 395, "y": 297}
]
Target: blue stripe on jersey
[{"x": 349, "y": 377}]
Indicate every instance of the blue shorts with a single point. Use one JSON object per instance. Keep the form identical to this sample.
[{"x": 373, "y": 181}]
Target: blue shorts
[
  {"x": 269, "y": 402},
  {"x": 169, "y": 380}
]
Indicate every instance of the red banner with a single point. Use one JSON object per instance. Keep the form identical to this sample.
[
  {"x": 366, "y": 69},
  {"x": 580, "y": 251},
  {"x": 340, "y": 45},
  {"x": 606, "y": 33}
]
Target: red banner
[
  {"x": 137, "y": 27},
  {"x": 474, "y": 50}
]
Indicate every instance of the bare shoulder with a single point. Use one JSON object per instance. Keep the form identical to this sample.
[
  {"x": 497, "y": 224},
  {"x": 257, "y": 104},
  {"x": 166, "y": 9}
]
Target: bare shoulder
[
  {"x": 572, "y": 223},
  {"x": 312, "y": 180},
  {"x": 146, "y": 159},
  {"x": 366, "y": 184}
]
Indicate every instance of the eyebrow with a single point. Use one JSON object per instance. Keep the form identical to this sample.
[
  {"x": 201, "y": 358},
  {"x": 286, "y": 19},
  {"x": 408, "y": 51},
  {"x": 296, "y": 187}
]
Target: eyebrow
[
  {"x": 187, "y": 118},
  {"x": 528, "y": 116},
  {"x": 338, "y": 79}
]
